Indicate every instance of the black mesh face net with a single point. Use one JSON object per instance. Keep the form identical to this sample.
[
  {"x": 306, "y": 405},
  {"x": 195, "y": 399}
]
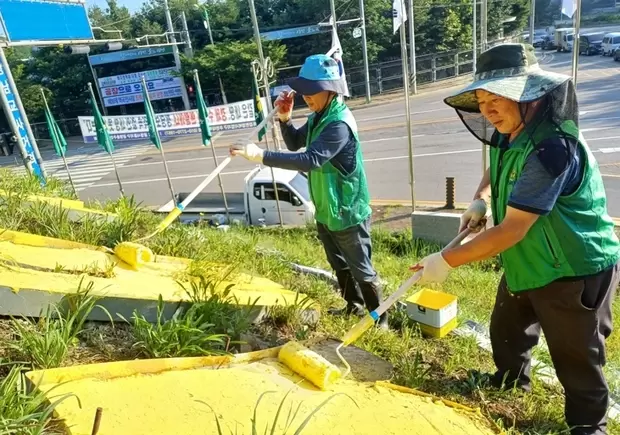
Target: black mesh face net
[{"x": 557, "y": 106}]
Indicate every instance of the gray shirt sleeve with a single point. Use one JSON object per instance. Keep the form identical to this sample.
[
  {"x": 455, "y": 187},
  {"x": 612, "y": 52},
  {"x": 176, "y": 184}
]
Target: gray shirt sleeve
[
  {"x": 549, "y": 172},
  {"x": 326, "y": 146}
]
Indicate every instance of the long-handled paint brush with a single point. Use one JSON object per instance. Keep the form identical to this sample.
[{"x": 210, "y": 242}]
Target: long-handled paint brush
[{"x": 369, "y": 320}]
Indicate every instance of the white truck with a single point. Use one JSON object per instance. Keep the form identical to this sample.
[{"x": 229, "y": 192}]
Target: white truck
[
  {"x": 257, "y": 204},
  {"x": 564, "y": 39}
]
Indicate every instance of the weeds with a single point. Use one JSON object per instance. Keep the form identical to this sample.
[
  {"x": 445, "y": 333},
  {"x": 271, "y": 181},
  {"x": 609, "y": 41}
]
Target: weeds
[
  {"x": 187, "y": 333},
  {"x": 216, "y": 321},
  {"x": 223, "y": 310},
  {"x": 45, "y": 343},
  {"x": 274, "y": 424},
  {"x": 22, "y": 411}
]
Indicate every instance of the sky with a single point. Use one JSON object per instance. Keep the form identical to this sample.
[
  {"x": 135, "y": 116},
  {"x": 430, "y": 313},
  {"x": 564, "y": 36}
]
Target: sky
[{"x": 132, "y": 5}]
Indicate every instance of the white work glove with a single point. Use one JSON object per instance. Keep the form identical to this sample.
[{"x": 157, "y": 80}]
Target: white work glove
[
  {"x": 249, "y": 151},
  {"x": 474, "y": 217},
  {"x": 284, "y": 103},
  {"x": 434, "y": 269}
]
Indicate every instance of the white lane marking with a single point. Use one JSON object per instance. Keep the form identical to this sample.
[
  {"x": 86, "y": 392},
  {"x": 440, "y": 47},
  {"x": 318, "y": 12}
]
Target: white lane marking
[
  {"x": 154, "y": 180},
  {"x": 402, "y": 114},
  {"x": 603, "y": 138}
]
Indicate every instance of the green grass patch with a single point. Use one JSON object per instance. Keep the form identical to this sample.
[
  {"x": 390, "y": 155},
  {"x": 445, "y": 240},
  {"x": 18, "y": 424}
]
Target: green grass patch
[{"x": 450, "y": 367}]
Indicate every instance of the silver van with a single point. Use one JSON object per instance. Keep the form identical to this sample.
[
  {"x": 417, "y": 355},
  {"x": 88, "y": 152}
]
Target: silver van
[{"x": 611, "y": 42}]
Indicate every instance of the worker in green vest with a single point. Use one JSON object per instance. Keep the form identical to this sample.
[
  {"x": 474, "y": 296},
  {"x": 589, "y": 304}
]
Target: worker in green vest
[
  {"x": 552, "y": 232},
  {"x": 336, "y": 178}
]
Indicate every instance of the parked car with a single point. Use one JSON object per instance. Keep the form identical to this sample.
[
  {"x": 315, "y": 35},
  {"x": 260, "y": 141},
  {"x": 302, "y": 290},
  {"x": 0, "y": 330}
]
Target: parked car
[
  {"x": 591, "y": 43},
  {"x": 611, "y": 43},
  {"x": 548, "y": 43},
  {"x": 539, "y": 36},
  {"x": 617, "y": 55}
]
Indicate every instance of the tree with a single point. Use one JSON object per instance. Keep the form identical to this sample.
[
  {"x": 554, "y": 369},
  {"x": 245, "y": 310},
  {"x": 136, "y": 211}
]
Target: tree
[{"x": 231, "y": 60}]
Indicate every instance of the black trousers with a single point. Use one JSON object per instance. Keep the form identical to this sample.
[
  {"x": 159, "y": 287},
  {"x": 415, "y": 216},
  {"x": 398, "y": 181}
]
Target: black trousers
[{"x": 576, "y": 318}]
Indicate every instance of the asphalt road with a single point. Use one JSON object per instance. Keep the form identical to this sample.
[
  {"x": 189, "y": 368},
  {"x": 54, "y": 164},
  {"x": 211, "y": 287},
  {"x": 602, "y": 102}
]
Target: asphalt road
[{"x": 442, "y": 148}]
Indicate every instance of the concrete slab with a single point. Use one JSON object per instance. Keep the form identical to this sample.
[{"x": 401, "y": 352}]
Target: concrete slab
[
  {"x": 37, "y": 271},
  {"x": 436, "y": 226},
  {"x": 191, "y": 395}
]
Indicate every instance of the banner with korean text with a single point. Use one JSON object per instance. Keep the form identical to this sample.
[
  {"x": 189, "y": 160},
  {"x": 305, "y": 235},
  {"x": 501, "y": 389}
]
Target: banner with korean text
[
  {"x": 227, "y": 117},
  {"x": 127, "y": 88}
]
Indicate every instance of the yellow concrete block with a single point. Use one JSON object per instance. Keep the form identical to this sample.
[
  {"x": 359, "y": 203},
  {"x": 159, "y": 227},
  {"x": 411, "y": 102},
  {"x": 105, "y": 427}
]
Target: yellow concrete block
[
  {"x": 174, "y": 396},
  {"x": 53, "y": 266}
]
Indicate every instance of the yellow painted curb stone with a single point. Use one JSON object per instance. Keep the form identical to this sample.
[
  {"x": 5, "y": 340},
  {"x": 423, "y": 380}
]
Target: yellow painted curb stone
[
  {"x": 75, "y": 208},
  {"x": 186, "y": 395},
  {"x": 54, "y": 266}
]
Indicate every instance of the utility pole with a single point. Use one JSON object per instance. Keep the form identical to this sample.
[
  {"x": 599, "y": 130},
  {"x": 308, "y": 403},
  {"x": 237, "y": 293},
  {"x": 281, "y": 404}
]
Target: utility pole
[
  {"x": 207, "y": 25},
  {"x": 532, "y": 16},
  {"x": 175, "y": 52},
  {"x": 266, "y": 66},
  {"x": 483, "y": 47},
  {"x": 332, "y": 7},
  {"x": 189, "y": 52},
  {"x": 412, "y": 45},
  {"x": 483, "y": 25},
  {"x": 475, "y": 35},
  {"x": 577, "y": 20},
  {"x": 364, "y": 49}
]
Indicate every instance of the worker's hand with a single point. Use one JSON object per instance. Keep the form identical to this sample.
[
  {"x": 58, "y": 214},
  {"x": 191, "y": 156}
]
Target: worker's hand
[
  {"x": 284, "y": 103},
  {"x": 474, "y": 217},
  {"x": 434, "y": 268},
  {"x": 249, "y": 151}
]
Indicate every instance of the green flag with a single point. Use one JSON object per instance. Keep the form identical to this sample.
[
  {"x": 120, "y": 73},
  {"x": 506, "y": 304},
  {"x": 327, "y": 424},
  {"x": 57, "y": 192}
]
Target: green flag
[
  {"x": 60, "y": 144},
  {"x": 203, "y": 113},
  {"x": 150, "y": 117},
  {"x": 258, "y": 110},
  {"x": 103, "y": 136}
]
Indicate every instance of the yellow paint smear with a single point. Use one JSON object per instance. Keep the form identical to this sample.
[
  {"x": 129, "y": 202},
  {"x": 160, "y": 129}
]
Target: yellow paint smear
[
  {"x": 75, "y": 207},
  {"x": 173, "y": 402},
  {"x": 36, "y": 267}
]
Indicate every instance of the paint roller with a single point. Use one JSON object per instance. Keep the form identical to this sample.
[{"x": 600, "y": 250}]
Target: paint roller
[
  {"x": 318, "y": 370},
  {"x": 136, "y": 254},
  {"x": 369, "y": 320}
]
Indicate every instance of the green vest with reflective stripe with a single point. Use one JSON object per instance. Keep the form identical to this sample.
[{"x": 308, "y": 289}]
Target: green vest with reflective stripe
[
  {"x": 341, "y": 201},
  {"x": 577, "y": 238}
]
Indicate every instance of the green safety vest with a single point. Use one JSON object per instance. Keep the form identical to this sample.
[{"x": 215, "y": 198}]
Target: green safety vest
[
  {"x": 341, "y": 201},
  {"x": 576, "y": 239}
]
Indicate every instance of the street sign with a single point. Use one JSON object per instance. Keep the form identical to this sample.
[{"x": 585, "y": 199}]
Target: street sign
[
  {"x": 357, "y": 32},
  {"x": 294, "y": 32},
  {"x": 16, "y": 120},
  {"x": 120, "y": 56},
  {"x": 25, "y": 20}
]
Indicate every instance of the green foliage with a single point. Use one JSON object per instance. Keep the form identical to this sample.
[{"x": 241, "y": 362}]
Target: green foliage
[
  {"x": 188, "y": 333},
  {"x": 24, "y": 411},
  {"x": 45, "y": 343},
  {"x": 290, "y": 418},
  {"x": 439, "y": 25}
]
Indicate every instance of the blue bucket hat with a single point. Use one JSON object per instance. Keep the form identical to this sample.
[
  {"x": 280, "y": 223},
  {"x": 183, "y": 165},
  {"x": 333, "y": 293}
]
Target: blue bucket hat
[{"x": 319, "y": 73}]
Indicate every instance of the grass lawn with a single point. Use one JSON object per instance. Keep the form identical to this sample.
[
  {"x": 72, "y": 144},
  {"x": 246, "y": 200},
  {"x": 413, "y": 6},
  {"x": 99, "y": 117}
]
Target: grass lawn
[{"x": 439, "y": 366}]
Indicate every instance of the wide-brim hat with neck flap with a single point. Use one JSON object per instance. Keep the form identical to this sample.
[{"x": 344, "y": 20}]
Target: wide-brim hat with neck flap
[{"x": 511, "y": 71}]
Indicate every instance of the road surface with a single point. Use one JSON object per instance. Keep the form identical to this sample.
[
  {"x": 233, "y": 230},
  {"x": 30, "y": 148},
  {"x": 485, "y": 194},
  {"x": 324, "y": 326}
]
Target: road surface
[{"x": 442, "y": 148}]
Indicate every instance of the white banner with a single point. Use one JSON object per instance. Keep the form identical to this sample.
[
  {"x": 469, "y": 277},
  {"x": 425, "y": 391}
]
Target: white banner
[
  {"x": 226, "y": 117},
  {"x": 125, "y": 79},
  {"x": 129, "y": 94},
  {"x": 127, "y": 88}
]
